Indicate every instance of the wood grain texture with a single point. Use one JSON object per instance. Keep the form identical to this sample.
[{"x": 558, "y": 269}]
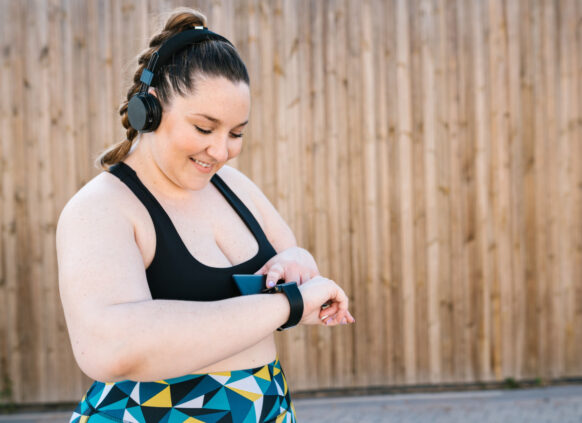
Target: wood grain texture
[{"x": 426, "y": 152}]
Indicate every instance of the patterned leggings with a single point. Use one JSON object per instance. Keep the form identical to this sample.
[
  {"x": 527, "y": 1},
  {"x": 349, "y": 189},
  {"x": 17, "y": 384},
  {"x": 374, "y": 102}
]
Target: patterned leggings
[{"x": 240, "y": 396}]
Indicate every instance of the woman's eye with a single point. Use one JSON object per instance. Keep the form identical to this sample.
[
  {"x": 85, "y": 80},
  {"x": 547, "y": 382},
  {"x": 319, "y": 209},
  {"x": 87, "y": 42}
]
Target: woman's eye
[
  {"x": 236, "y": 135},
  {"x": 203, "y": 131}
]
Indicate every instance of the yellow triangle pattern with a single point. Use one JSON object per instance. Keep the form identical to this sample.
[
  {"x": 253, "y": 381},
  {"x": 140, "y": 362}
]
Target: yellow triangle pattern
[
  {"x": 84, "y": 419},
  {"x": 163, "y": 399},
  {"x": 276, "y": 371},
  {"x": 264, "y": 373},
  {"x": 284, "y": 386},
  {"x": 248, "y": 395},
  {"x": 220, "y": 374},
  {"x": 192, "y": 420},
  {"x": 281, "y": 417}
]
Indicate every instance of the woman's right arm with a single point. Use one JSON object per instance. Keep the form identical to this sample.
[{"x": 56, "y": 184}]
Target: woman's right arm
[{"x": 119, "y": 332}]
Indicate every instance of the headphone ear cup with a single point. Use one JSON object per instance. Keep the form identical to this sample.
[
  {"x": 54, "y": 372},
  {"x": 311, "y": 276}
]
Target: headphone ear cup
[
  {"x": 154, "y": 113},
  {"x": 144, "y": 112}
]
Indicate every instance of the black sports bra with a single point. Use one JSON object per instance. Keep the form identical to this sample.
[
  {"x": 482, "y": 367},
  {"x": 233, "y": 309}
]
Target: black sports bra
[{"x": 174, "y": 273}]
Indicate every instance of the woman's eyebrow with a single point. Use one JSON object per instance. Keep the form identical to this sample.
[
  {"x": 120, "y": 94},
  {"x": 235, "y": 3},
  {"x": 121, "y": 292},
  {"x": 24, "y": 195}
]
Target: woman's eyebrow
[{"x": 217, "y": 121}]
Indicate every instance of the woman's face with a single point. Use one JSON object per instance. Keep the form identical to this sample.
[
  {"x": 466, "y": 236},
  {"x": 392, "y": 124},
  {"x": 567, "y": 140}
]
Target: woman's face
[{"x": 200, "y": 132}]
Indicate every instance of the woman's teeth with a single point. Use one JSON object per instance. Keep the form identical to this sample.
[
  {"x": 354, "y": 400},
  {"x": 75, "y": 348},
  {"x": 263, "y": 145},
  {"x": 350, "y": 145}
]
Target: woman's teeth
[{"x": 207, "y": 165}]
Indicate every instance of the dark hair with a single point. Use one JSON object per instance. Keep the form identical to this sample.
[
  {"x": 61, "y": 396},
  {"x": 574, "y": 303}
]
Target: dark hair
[{"x": 211, "y": 58}]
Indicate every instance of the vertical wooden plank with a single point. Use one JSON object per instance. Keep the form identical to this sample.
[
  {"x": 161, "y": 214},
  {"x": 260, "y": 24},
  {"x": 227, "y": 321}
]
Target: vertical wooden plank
[
  {"x": 467, "y": 159},
  {"x": 397, "y": 315},
  {"x": 106, "y": 99},
  {"x": 443, "y": 201},
  {"x": 555, "y": 283},
  {"x": 252, "y": 160},
  {"x": 383, "y": 175},
  {"x": 355, "y": 184},
  {"x": 370, "y": 241},
  {"x": 429, "y": 104},
  {"x": 541, "y": 163},
  {"x": 452, "y": 98},
  {"x": 10, "y": 125},
  {"x": 468, "y": 193},
  {"x": 530, "y": 359},
  {"x": 406, "y": 187},
  {"x": 566, "y": 27},
  {"x": 419, "y": 201},
  {"x": 394, "y": 332},
  {"x": 267, "y": 76},
  {"x": 516, "y": 170},
  {"x": 308, "y": 150},
  {"x": 315, "y": 167},
  {"x": 343, "y": 344},
  {"x": 5, "y": 64},
  {"x": 484, "y": 231},
  {"x": 44, "y": 282},
  {"x": 29, "y": 313},
  {"x": 577, "y": 186},
  {"x": 501, "y": 292}
]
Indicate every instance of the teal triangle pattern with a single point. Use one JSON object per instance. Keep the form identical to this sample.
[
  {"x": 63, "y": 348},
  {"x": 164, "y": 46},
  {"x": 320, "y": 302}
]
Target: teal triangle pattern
[{"x": 219, "y": 401}]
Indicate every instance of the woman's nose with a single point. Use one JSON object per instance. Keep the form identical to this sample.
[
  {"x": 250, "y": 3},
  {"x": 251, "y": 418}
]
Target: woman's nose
[{"x": 218, "y": 149}]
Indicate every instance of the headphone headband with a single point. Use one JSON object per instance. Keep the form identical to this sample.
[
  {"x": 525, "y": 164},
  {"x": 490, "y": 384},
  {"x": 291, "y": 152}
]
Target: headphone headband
[{"x": 174, "y": 44}]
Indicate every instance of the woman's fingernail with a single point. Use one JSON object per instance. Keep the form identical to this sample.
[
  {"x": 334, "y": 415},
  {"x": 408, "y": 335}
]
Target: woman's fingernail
[
  {"x": 324, "y": 317},
  {"x": 270, "y": 284}
]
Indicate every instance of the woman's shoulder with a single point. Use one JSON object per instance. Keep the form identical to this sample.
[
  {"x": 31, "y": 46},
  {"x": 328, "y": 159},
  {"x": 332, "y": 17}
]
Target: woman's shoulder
[
  {"x": 239, "y": 182},
  {"x": 102, "y": 197}
]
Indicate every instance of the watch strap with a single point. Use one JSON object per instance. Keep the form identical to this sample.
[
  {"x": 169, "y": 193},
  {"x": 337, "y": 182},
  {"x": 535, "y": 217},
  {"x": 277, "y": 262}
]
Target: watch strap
[{"x": 291, "y": 291}]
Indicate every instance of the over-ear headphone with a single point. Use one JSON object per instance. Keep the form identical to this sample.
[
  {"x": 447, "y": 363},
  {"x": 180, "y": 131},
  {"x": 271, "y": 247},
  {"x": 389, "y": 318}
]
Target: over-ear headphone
[{"x": 144, "y": 110}]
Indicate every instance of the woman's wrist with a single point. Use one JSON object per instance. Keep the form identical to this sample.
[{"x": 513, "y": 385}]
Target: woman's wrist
[
  {"x": 295, "y": 299},
  {"x": 283, "y": 308}
]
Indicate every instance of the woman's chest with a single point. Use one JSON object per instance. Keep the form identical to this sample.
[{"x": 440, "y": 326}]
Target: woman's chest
[{"x": 209, "y": 229}]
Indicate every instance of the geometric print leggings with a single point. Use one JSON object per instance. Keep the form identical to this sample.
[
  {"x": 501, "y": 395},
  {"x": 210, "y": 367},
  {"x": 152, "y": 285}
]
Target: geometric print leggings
[{"x": 240, "y": 396}]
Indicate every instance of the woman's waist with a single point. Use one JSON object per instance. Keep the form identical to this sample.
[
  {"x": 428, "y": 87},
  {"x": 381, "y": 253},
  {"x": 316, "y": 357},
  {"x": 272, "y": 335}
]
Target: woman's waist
[{"x": 258, "y": 355}]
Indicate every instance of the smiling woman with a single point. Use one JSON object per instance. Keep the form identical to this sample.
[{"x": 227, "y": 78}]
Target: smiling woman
[{"x": 147, "y": 251}]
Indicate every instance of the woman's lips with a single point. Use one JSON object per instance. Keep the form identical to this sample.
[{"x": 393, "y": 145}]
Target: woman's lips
[{"x": 202, "y": 166}]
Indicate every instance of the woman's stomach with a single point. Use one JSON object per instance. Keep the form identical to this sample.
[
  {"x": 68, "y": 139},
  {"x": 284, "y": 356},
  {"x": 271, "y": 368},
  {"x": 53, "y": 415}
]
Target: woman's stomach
[{"x": 259, "y": 354}]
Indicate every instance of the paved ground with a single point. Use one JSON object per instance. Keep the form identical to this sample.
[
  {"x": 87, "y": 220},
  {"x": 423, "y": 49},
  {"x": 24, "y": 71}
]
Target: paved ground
[{"x": 559, "y": 404}]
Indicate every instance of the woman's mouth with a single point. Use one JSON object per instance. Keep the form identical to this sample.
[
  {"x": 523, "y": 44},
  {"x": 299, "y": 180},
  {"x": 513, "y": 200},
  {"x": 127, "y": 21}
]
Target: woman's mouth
[{"x": 202, "y": 166}]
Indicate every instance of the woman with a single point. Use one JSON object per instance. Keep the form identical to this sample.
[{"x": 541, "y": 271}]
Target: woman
[{"x": 147, "y": 251}]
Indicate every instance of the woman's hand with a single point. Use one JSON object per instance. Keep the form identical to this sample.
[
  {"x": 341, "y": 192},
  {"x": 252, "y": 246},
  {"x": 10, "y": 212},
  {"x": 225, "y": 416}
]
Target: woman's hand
[
  {"x": 293, "y": 265},
  {"x": 318, "y": 291}
]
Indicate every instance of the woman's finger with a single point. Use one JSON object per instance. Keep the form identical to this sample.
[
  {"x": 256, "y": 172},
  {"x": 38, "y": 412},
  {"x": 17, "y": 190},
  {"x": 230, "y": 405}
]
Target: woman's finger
[
  {"x": 275, "y": 273},
  {"x": 292, "y": 274},
  {"x": 329, "y": 311}
]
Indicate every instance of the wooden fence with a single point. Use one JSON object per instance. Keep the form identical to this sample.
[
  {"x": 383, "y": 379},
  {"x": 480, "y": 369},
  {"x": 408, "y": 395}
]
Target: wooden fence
[{"x": 426, "y": 151}]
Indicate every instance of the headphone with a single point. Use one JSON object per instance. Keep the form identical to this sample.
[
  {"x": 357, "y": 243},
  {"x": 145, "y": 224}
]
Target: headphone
[{"x": 144, "y": 110}]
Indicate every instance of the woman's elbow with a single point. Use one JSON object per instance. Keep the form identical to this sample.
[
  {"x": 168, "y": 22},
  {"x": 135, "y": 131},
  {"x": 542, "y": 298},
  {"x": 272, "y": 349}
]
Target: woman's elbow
[{"x": 101, "y": 363}]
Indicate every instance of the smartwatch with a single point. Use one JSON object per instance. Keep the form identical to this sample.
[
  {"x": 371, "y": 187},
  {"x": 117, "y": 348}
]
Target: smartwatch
[{"x": 291, "y": 290}]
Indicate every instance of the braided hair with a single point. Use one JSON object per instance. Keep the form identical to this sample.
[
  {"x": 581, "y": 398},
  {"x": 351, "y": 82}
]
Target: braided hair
[{"x": 210, "y": 58}]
